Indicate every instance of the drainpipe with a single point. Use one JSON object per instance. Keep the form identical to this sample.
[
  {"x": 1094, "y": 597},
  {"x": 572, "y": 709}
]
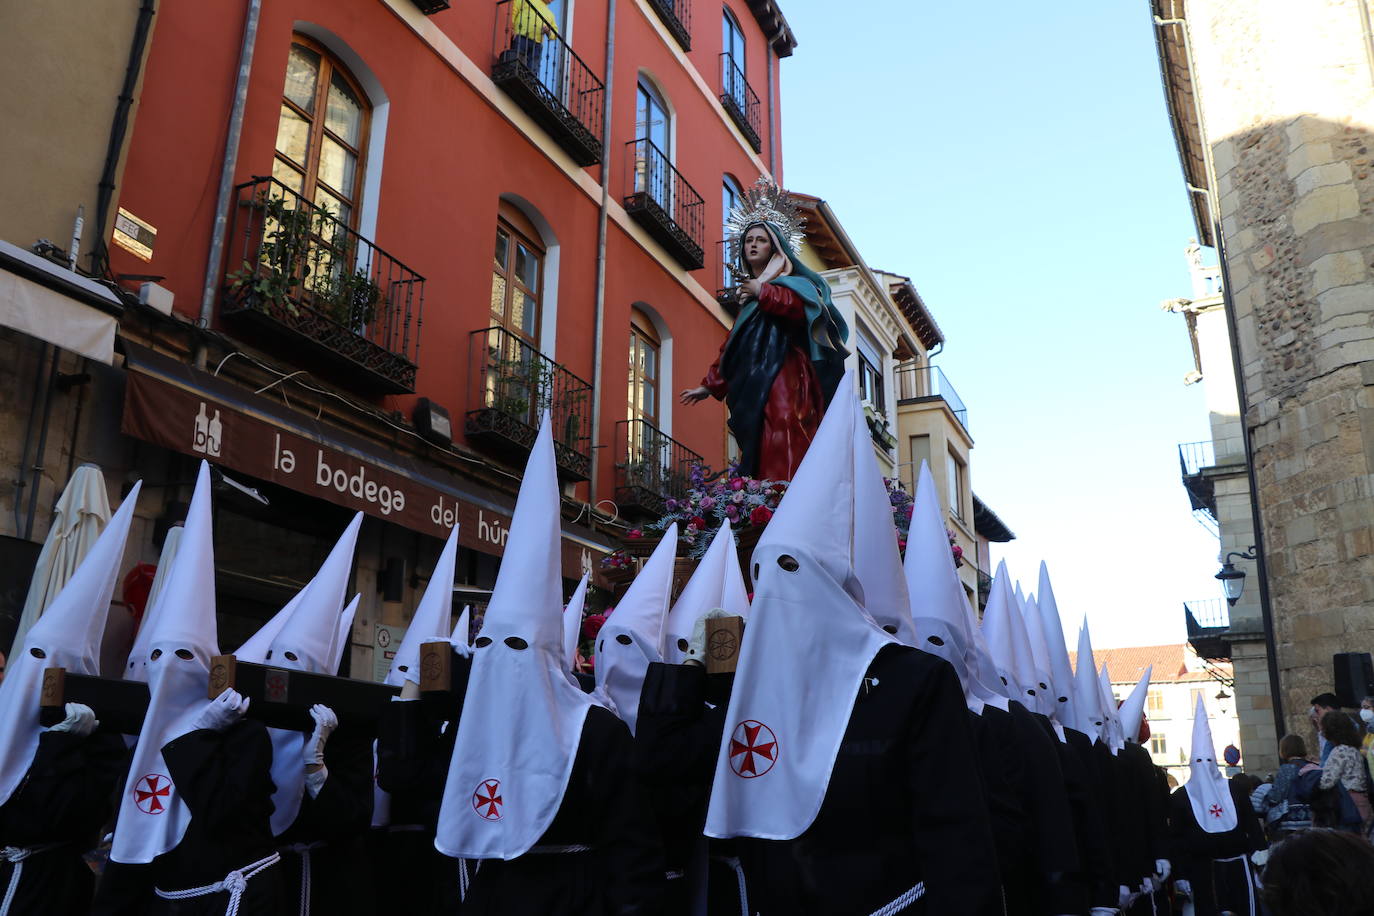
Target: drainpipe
[
  {"x": 226, "y": 175},
  {"x": 119, "y": 127},
  {"x": 1368, "y": 29},
  {"x": 772, "y": 107},
  {"x": 601, "y": 230},
  {"x": 1214, "y": 218}
]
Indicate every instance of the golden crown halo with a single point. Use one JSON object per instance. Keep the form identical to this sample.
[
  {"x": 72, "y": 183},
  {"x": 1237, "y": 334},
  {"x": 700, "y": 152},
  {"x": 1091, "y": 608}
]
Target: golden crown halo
[{"x": 764, "y": 202}]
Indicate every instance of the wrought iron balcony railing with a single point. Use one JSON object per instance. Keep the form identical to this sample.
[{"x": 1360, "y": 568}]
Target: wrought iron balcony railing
[
  {"x": 725, "y": 293},
  {"x": 677, "y": 16},
  {"x": 1196, "y": 456},
  {"x": 295, "y": 267},
  {"x": 740, "y": 100},
  {"x": 535, "y": 66},
  {"x": 651, "y": 467},
  {"x": 510, "y": 386},
  {"x": 916, "y": 384},
  {"x": 662, "y": 201},
  {"x": 1207, "y": 621}
]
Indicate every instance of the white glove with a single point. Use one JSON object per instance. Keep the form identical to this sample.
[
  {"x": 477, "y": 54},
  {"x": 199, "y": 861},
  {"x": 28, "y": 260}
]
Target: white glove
[
  {"x": 1104, "y": 911},
  {"x": 1147, "y": 886},
  {"x": 1259, "y": 857},
  {"x": 1162, "y": 870},
  {"x": 223, "y": 711},
  {"x": 1123, "y": 896},
  {"x": 325, "y": 723},
  {"x": 1183, "y": 887},
  {"x": 696, "y": 648},
  {"x": 80, "y": 721}
]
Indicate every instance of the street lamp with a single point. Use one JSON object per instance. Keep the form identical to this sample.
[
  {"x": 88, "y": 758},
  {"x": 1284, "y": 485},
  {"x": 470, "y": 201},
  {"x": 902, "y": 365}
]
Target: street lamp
[{"x": 1232, "y": 579}]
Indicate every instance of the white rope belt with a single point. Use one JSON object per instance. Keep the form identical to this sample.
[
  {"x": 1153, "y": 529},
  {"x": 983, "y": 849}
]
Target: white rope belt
[
  {"x": 236, "y": 882},
  {"x": 17, "y": 855},
  {"x": 303, "y": 850},
  {"x": 902, "y": 902},
  {"x": 558, "y": 850},
  {"x": 464, "y": 879},
  {"x": 1244, "y": 859},
  {"x": 734, "y": 866}
]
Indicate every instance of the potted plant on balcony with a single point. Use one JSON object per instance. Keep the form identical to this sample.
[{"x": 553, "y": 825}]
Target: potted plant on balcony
[{"x": 283, "y": 263}]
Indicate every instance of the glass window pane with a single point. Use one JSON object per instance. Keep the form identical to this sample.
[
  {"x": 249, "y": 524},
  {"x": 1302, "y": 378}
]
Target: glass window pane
[
  {"x": 502, "y": 246},
  {"x": 650, "y": 362},
  {"x": 293, "y": 135},
  {"x": 648, "y": 397},
  {"x": 334, "y": 206},
  {"x": 526, "y": 266},
  {"x": 338, "y": 166},
  {"x": 302, "y": 71},
  {"x": 498, "y": 297},
  {"x": 343, "y": 112},
  {"x": 527, "y": 314},
  {"x": 287, "y": 176}
]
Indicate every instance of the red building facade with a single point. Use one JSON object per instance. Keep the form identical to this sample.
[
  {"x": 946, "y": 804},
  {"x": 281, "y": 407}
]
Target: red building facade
[{"x": 371, "y": 215}]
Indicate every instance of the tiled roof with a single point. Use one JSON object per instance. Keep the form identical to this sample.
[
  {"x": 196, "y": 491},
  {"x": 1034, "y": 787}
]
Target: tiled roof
[{"x": 1127, "y": 665}]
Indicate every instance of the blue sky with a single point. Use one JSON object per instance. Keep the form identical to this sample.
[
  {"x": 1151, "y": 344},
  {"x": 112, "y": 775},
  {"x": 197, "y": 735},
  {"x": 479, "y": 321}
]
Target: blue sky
[{"x": 1016, "y": 162}]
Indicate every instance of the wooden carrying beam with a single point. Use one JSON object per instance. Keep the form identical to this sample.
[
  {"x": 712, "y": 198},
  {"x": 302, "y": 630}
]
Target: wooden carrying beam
[
  {"x": 282, "y": 698},
  {"x": 724, "y": 635},
  {"x": 119, "y": 705}
]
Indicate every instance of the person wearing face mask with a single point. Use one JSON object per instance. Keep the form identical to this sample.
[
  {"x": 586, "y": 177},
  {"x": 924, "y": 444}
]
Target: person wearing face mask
[
  {"x": 197, "y": 804},
  {"x": 56, "y": 783},
  {"x": 1213, "y": 833},
  {"x": 541, "y": 802}
]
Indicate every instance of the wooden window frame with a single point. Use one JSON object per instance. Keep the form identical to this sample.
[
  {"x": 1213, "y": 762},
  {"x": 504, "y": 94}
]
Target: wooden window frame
[
  {"x": 329, "y": 65},
  {"x": 517, "y": 228},
  {"x": 644, "y": 334}
]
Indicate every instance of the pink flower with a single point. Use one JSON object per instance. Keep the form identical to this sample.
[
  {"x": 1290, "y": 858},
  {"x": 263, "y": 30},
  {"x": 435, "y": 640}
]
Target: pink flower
[
  {"x": 634, "y": 533},
  {"x": 738, "y": 498},
  {"x": 760, "y": 515},
  {"x": 732, "y": 512},
  {"x": 592, "y": 624},
  {"x": 707, "y": 502},
  {"x": 737, "y": 483},
  {"x": 957, "y": 551}
]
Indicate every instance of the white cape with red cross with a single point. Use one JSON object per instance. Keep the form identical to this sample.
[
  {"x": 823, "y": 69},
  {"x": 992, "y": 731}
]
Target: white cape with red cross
[
  {"x": 807, "y": 647},
  {"x": 1208, "y": 792}
]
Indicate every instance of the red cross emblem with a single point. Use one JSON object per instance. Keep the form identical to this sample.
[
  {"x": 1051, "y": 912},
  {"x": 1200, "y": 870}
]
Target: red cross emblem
[
  {"x": 486, "y": 801},
  {"x": 750, "y": 741},
  {"x": 1215, "y": 810},
  {"x": 150, "y": 791}
]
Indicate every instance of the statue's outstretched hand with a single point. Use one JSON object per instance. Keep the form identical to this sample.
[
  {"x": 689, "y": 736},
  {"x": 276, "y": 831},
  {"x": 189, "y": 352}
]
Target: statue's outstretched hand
[{"x": 693, "y": 395}]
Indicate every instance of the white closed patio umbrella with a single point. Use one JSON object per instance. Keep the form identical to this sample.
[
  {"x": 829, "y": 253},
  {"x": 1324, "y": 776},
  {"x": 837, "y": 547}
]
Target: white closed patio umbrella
[{"x": 81, "y": 514}]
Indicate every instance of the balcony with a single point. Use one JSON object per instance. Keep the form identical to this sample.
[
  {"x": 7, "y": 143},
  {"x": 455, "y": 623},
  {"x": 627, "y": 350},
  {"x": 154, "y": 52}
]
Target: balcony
[
  {"x": 677, "y": 16},
  {"x": 663, "y": 202},
  {"x": 1195, "y": 459},
  {"x": 536, "y": 68},
  {"x": 1209, "y": 621},
  {"x": 740, "y": 100},
  {"x": 306, "y": 284},
  {"x": 924, "y": 384},
  {"x": 651, "y": 467},
  {"x": 510, "y": 386}
]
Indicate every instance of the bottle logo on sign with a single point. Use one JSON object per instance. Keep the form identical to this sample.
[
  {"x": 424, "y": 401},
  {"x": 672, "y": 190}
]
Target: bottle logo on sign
[{"x": 208, "y": 433}]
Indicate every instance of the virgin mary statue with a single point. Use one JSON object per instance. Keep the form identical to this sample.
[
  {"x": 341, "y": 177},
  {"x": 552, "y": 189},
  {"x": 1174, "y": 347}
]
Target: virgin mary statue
[{"x": 783, "y": 360}]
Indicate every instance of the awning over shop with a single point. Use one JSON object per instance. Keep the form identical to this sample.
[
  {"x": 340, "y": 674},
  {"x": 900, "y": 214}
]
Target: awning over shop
[
  {"x": 177, "y": 406},
  {"x": 49, "y": 302}
]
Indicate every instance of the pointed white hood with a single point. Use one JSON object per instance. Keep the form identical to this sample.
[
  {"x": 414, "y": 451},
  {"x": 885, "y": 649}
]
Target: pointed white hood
[
  {"x": 877, "y": 558},
  {"x": 1132, "y": 710},
  {"x": 1111, "y": 718},
  {"x": 716, "y": 583},
  {"x": 632, "y": 637},
  {"x": 343, "y": 633},
  {"x": 805, "y": 653},
  {"x": 1047, "y": 690},
  {"x": 431, "y": 618},
  {"x": 572, "y": 621},
  {"x": 67, "y": 636},
  {"x": 460, "y": 638},
  {"x": 939, "y": 607},
  {"x": 136, "y": 668},
  {"x": 522, "y": 715},
  {"x": 1087, "y": 693},
  {"x": 1035, "y": 680},
  {"x": 306, "y": 641},
  {"x": 152, "y": 816},
  {"x": 1052, "y": 628},
  {"x": 1001, "y": 632},
  {"x": 254, "y": 648},
  {"x": 1210, "y": 796}
]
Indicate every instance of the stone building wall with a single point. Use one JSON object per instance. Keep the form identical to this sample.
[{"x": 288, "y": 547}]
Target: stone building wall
[{"x": 1288, "y": 108}]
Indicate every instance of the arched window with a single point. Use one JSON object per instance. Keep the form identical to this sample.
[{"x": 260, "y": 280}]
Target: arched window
[
  {"x": 322, "y": 131},
  {"x": 653, "y": 151},
  {"x": 732, "y": 39},
  {"x": 730, "y": 196},
  {"x": 517, "y": 275},
  {"x": 645, "y": 368}
]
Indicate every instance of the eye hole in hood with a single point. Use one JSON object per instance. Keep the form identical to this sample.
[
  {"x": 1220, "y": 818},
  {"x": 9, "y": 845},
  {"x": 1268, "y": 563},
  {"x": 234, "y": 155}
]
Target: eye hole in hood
[
  {"x": 37, "y": 652},
  {"x": 184, "y": 654},
  {"x": 623, "y": 639},
  {"x": 515, "y": 642},
  {"x": 482, "y": 642}
]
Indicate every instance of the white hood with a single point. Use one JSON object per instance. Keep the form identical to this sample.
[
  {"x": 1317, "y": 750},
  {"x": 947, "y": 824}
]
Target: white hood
[
  {"x": 632, "y": 637},
  {"x": 877, "y": 558},
  {"x": 1208, "y": 793},
  {"x": 939, "y": 607},
  {"x": 1111, "y": 718},
  {"x": 342, "y": 634},
  {"x": 1047, "y": 690},
  {"x": 1132, "y": 710},
  {"x": 67, "y": 635},
  {"x": 522, "y": 716},
  {"x": 1007, "y": 642},
  {"x": 1052, "y": 628},
  {"x": 152, "y": 815},
  {"x": 432, "y": 616},
  {"x": 1087, "y": 693},
  {"x": 1032, "y": 677},
  {"x": 460, "y": 638},
  {"x": 136, "y": 668},
  {"x": 805, "y": 653},
  {"x": 716, "y": 583},
  {"x": 572, "y": 622}
]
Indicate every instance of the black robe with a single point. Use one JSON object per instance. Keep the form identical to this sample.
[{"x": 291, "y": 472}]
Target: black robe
[
  {"x": 904, "y": 807},
  {"x": 1054, "y": 856},
  {"x": 225, "y": 778},
  {"x": 604, "y": 808},
  {"x": 332, "y": 825},
  {"x": 65, "y": 798},
  {"x": 1098, "y": 866},
  {"x": 1199, "y": 856}
]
